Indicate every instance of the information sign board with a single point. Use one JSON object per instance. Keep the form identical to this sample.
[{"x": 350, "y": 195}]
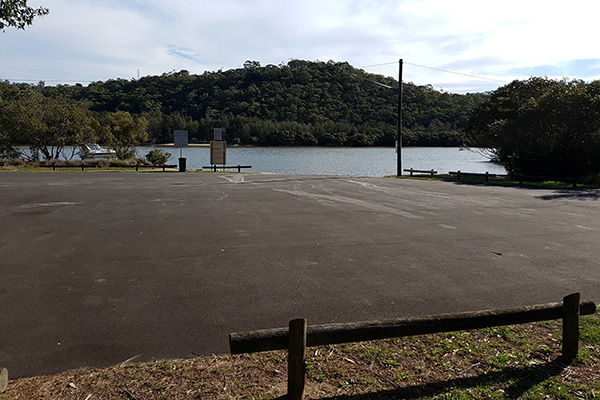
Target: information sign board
[
  {"x": 217, "y": 152},
  {"x": 180, "y": 138}
]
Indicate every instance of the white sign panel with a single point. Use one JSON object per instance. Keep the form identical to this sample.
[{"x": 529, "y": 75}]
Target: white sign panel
[
  {"x": 217, "y": 133},
  {"x": 180, "y": 138}
]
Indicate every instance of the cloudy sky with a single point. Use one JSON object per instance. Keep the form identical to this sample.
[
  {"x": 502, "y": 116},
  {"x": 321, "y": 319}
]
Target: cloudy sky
[{"x": 97, "y": 40}]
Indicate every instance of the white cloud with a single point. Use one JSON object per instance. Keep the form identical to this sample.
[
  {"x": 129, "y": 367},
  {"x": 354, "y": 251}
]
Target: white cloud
[{"x": 102, "y": 39}]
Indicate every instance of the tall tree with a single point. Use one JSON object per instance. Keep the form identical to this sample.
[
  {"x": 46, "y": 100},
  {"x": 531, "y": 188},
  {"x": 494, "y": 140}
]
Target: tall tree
[
  {"x": 17, "y": 14},
  {"x": 123, "y": 132},
  {"x": 46, "y": 125},
  {"x": 542, "y": 127}
]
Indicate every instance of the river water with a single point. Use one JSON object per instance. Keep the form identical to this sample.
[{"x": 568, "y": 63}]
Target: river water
[{"x": 345, "y": 161}]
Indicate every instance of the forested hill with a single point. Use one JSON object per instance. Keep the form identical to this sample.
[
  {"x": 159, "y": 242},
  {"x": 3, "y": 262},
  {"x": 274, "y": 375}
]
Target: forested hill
[{"x": 301, "y": 102}]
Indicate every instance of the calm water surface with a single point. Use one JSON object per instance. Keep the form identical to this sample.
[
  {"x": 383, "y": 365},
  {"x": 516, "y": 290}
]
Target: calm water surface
[
  {"x": 348, "y": 161},
  {"x": 345, "y": 161}
]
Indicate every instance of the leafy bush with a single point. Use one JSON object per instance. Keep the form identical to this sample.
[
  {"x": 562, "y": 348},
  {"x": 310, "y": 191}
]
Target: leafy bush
[{"x": 158, "y": 157}]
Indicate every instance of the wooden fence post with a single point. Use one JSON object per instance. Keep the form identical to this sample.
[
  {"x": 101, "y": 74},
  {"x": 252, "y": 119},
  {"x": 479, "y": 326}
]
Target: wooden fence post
[
  {"x": 296, "y": 358},
  {"x": 3, "y": 379},
  {"x": 570, "y": 346}
]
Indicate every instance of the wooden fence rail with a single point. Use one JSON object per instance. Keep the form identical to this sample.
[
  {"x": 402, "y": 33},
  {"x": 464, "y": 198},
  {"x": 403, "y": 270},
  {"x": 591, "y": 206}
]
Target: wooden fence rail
[
  {"x": 287, "y": 338},
  {"x": 430, "y": 172},
  {"x": 94, "y": 166},
  {"x": 460, "y": 173},
  {"x": 214, "y": 167}
]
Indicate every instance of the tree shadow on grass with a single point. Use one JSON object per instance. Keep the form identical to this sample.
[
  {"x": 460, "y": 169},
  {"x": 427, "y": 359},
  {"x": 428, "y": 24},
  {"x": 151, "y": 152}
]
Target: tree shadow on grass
[{"x": 521, "y": 380}]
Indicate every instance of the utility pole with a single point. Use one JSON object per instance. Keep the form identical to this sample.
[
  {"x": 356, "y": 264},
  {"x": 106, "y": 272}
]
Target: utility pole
[{"x": 399, "y": 127}]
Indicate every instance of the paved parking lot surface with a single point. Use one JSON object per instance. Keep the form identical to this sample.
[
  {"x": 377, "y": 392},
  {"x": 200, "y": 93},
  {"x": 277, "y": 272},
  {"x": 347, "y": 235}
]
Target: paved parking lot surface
[{"x": 99, "y": 267}]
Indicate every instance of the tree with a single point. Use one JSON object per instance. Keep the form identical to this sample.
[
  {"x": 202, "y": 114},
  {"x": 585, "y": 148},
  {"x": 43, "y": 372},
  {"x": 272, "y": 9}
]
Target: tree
[
  {"x": 17, "y": 14},
  {"x": 45, "y": 124},
  {"x": 251, "y": 64},
  {"x": 123, "y": 132},
  {"x": 542, "y": 127}
]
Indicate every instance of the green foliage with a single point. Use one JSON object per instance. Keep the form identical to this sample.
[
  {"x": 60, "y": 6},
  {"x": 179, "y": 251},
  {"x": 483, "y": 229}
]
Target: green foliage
[
  {"x": 16, "y": 13},
  {"x": 158, "y": 157},
  {"x": 45, "y": 124},
  {"x": 300, "y": 103},
  {"x": 123, "y": 132},
  {"x": 7, "y": 149},
  {"x": 542, "y": 127},
  {"x": 590, "y": 330}
]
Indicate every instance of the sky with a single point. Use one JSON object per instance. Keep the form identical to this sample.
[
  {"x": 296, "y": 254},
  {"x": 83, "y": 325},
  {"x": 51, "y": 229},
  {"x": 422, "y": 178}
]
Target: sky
[{"x": 458, "y": 46}]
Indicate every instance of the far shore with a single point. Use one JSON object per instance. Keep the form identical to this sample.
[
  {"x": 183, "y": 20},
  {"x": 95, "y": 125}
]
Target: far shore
[{"x": 173, "y": 145}]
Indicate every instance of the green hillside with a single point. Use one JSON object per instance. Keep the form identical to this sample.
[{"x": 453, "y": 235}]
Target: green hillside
[{"x": 301, "y": 102}]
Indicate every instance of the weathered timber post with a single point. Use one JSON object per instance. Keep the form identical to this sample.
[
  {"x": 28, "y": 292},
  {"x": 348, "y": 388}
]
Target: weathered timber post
[
  {"x": 3, "y": 379},
  {"x": 296, "y": 359},
  {"x": 399, "y": 122},
  {"x": 571, "y": 312}
]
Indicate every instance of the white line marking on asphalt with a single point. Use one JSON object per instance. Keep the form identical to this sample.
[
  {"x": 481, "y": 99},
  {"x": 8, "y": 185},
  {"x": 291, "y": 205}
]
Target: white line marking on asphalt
[
  {"x": 356, "y": 202},
  {"x": 447, "y": 226},
  {"x": 587, "y": 228},
  {"x": 234, "y": 178},
  {"x": 50, "y": 204},
  {"x": 365, "y": 184},
  {"x": 223, "y": 196}
]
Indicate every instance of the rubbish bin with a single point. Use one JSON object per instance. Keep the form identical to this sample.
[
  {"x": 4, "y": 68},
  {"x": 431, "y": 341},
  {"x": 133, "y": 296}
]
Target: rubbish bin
[{"x": 182, "y": 162}]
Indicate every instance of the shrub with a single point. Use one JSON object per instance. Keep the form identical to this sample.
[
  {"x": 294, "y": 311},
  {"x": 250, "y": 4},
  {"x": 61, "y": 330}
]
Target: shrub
[{"x": 158, "y": 157}]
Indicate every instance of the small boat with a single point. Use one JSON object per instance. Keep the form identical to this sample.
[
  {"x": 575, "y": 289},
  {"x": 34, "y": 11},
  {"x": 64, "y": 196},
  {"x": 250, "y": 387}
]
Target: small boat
[{"x": 94, "y": 150}]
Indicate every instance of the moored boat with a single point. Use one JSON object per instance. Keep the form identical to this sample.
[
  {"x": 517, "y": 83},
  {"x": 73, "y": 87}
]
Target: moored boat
[{"x": 94, "y": 150}]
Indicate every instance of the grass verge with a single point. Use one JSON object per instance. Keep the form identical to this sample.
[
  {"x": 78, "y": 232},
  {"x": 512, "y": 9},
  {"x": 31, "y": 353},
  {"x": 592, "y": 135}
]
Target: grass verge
[
  {"x": 520, "y": 361},
  {"x": 501, "y": 181}
]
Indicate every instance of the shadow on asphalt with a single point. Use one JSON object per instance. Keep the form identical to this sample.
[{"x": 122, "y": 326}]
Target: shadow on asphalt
[
  {"x": 522, "y": 380},
  {"x": 588, "y": 194},
  {"x": 576, "y": 194}
]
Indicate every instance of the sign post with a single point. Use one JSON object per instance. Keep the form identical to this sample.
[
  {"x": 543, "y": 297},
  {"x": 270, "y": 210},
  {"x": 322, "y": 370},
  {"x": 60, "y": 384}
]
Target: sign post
[
  {"x": 180, "y": 139},
  {"x": 217, "y": 148}
]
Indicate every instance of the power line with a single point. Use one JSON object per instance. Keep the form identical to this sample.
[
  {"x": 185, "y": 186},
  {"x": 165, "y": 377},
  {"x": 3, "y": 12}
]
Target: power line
[
  {"x": 45, "y": 80},
  {"x": 456, "y": 73},
  {"x": 379, "y": 65},
  {"x": 437, "y": 69},
  {"x": 364, "y": 66}
]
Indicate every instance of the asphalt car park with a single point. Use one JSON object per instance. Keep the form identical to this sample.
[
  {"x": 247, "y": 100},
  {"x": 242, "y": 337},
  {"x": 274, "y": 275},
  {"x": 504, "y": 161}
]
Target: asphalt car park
[{"x": 100, "y": 267}]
